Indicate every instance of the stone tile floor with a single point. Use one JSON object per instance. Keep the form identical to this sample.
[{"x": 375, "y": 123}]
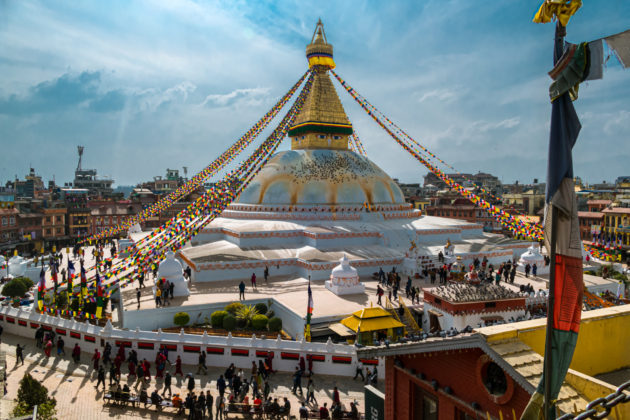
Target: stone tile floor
[{"x": 73, "y": 385}]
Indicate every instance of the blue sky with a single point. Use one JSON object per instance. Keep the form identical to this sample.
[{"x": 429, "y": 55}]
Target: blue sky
[{"x": 147, "y": 85}]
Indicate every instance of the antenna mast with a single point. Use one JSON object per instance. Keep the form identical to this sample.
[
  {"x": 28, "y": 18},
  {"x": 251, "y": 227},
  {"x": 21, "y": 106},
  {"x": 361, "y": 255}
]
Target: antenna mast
[{"x": 80, "y": 148}]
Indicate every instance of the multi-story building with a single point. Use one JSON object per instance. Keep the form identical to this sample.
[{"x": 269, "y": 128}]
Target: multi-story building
[
  {"x": 455, "y": 207},
  {"x": 617, "y": 225},
  {"x": 9, "y": 232},
  {"x": 528, "y": 202},
  {"x": 79, "y": 214},
  {"x": 54, "y": 224},
  {"x": 107, "y": 214},
  {"x": 598, "y": 205},
  {"x": 590, "y": 224}
]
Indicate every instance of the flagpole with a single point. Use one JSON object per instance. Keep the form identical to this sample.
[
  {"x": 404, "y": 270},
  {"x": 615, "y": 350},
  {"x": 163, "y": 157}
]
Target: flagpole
[{"x": 548, "y": 406}]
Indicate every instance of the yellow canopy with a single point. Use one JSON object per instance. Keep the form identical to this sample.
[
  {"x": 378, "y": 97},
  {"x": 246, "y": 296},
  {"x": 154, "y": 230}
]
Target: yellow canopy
[{"x": 371, "y": 319}]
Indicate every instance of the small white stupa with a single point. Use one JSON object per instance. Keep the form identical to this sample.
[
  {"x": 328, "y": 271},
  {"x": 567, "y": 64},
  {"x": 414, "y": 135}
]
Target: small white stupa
[
  {"x": 344, "y": 279},
  {"x": 171, "y": 270},
  {"x": 17, "y": 266},
  {"x": 533, "y": 256}
]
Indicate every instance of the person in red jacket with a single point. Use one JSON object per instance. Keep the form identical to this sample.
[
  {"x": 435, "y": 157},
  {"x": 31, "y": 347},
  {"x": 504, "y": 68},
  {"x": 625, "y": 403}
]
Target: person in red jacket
[
  {"x": 178, "y": 366},
  {"x": 96, "y": 358}
]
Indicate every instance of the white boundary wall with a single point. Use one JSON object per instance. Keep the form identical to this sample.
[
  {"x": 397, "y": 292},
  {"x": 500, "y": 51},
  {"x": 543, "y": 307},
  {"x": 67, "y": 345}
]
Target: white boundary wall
[{"x": 336, "y": 359}]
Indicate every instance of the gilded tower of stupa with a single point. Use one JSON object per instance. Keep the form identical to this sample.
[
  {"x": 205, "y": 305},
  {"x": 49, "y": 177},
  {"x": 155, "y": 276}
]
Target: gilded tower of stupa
[{"x": 322, "y": 123}]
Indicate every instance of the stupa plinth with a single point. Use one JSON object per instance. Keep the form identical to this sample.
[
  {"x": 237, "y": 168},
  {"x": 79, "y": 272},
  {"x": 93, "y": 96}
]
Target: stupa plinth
[
  {"x": 344, "y": 279},
  {"x": 170, "y": 269}
]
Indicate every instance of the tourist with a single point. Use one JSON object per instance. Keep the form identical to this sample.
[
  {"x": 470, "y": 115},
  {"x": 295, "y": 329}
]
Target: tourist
[
  {"x": 141, "y": 278},
  {"x": 221, "y": 386},
  {"x": 191, "y": 383},
  {"x": 241, "y": 290},
  {"x": 497, "y": 278},
  {"x": 528, "y": 268},
  {"x": 209, "y": 403},
  {"x": 534, "y": 269},
  {"x": 336, "y": 411},
  {"x": 310, "y": 392},
  {"x": 140, "y": 377},
  {"x": 112, "y": 374},
  {"x": 335, "y": 396},
  {"x": 374, "y": 376},
  {"x": 323, "y": 412},
  {"x": 358, "y": 371},
  {"x": 220, "y": 406},
  {"x": 39, "y": 337},
  {"x": 297, "y": 381},
  {"x": 48, "y": 347},
  {"x": 178, "y": 366},
  {"x": 167, "y": 384},
  {"x": 132, "y": 369},
  {"x": 303, "y": 411},
  {"x": 354, "y": 412},
  {"x": 202, "y": 363},
  {"x": 100, "y": 377},
  {"x": 158, "y": 297},
  {"x": 171, "y": 287},
  {"x": 381, "y": 275},
  {"x": 60, "y": 345},
  {"x": 144, "y": 398},
  {"x": 156, "y": 399},
  {"x": 19, "y": 355},
  {"x": 96, "y": 358},
  {"x": 266, "y": 274},
  {"x": 379, "y": 294},
  {"x": 138, "y": 294},
  {"x": 253, "y": 280},
  {"x": 76, "y": 353},
  {"x": 201, "y": 404},
  {"x": 107, "y": 353}
]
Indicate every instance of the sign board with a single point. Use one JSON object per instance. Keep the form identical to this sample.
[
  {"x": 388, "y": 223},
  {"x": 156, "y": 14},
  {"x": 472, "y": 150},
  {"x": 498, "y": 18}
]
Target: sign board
[
  {"x": 596, "y": 229},
  {"x": 374, "y": 403}
]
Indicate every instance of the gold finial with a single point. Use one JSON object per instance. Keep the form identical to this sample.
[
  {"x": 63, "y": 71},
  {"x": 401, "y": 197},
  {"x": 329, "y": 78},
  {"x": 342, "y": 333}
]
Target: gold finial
[{"x": 319, "y": 52}]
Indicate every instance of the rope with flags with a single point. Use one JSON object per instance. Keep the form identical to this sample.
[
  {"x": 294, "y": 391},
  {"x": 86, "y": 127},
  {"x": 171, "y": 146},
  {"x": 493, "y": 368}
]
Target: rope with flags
[{"x": 309, "y": 312}]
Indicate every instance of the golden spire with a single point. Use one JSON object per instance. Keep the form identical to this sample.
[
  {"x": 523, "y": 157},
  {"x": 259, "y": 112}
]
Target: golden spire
[{"x": 322, "y": 123}]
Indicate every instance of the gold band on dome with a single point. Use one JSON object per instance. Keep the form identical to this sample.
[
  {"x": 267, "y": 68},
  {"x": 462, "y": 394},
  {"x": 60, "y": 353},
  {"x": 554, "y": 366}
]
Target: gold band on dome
[{"x": 318, "y": 60}]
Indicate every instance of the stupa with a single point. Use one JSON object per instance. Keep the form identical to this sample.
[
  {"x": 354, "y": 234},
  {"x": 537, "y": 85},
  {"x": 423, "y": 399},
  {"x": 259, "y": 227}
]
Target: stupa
[
  {"x": 344, "y": 279},
  {"x": 171, "y": 270},
  {"x": 533, "y": 256},
  {"x": 313, "y": 204}
]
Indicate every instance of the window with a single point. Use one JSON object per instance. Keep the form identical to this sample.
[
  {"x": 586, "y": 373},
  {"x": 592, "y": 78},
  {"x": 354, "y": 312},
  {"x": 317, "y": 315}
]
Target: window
[
  {"x": 494, "y": 379},
  {"x": 59, "y": 219},
  {"x": 48, "y": 231},
  {"x": 12, "y": 220},
  {"x": 48, "y": 219},
  {"x": 58, "y": 230},
  {"x": 4, "y": 221}
]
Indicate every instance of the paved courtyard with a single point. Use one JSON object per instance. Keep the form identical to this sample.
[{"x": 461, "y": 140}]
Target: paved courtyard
[{"x": 73, "y": 385}]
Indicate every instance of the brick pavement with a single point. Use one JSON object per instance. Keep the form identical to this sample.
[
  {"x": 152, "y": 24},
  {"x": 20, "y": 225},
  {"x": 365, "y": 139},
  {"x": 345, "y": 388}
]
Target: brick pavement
[{"x": 73, "y": 385}]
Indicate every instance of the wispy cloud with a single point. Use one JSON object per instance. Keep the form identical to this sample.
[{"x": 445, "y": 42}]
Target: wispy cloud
[{"x": 251, "y": 96}]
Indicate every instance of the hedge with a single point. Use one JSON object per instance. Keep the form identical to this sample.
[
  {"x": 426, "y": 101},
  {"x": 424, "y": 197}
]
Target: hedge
[
  {"x": 275, "y": 324},
  {"x": 261, "y": 308},
  {"x": 229, "y": 322},
  {"x": 259, "y": 322},
  {"x": 181, "y": 318},
  {"x": 233, "y": 307},
  {"x": 216, "y": 319}
]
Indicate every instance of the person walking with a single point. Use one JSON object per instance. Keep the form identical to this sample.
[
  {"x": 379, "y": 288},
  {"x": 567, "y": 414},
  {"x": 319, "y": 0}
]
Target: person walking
[
  {"x": 19, "y": 355},
  {"x": 266, "y": 274},
  {"x": 167, "y": 384},
  {"x": 60, "y": 345},
  {"x": 138, "y": 294},
  {"x": 241, "y": 290},
  {"x": 297, "y": 381},
  {"x": 220, "y": 406},
  {"x": 310, "y": 392},
  {"x": 254, "y": 281},
  {"x": 359, "y": 372},
  {"x": 221, "y": 386},
  {"x": 178, "y": 366},
  {"x": 379, "y": 293},
  {"x": 101, "y": 377},
  {"x": 202, "y": 363},
  {"x": 76, "y": 353},
  {"x": 191, "y": 383},
  {"x": 158, "y": 297},
  {"x": 209, "y": 403},
  {"x": 96, "y": 358}
]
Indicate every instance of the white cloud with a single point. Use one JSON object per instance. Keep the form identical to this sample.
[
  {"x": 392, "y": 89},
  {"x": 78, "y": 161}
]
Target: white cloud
[
  {"x": 485, "y": 126},
  {"x": 251, "y": 96},
  {"x": 444, "y": 95}
]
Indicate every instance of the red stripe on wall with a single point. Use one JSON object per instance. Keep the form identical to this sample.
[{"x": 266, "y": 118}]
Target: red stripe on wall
[
  {"x": 341, "y": 359},
  {"x": 75, "y": 335},
  {"x": 292, "y": 356},
  {"x": 240, "y": 352},
  {"x": 146, "y": 346},
  {"x": 215, "y": 350},
  {"x": 89, "y": 338}
]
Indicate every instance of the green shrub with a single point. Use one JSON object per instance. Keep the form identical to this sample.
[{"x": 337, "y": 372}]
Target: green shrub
[
  {"x": 14, "y": 288},
  {"x": 181, "y": 318},
  {"x": 245, "y": 314},
  {"x": 229, "y": 322},
  {"x": 32, "y": 393},
  {"x": 261, "y": 308},
  {"x": 275, "y": 324},
  {"x": 259, "y": 322},
  {"x": 233, "y": 307},
  {"x": 28, "y": 283},
  {"x": 216, "y": 319},
  {"x": 270, "y": 314}
]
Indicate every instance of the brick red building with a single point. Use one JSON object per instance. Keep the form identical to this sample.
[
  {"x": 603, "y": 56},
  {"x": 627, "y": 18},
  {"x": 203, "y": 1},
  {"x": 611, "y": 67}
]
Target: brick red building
[
  {"x": 106, "y": 214},
  {"x": 590, "y": 221},
  {"x": 452, "y": 378}
]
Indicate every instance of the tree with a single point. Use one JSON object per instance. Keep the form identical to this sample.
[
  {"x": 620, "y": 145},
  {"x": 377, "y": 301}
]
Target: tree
[
  {"x": 14, "y": 289},
  {"x": 32, "y": 393},
  {"x": 181, "y": 318},
  {"x": 234, "y": 307}
]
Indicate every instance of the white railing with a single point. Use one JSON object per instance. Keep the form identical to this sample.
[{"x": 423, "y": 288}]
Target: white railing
[{"x": 328, "y": 358}]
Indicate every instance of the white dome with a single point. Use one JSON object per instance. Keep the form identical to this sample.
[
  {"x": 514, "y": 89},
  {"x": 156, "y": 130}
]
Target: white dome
[
  {"x": 344, "y": 270},
  {"x": 321, "y": 177},
  {"x": 532, "y": 255},
  {"x": 170, "y": 267}
]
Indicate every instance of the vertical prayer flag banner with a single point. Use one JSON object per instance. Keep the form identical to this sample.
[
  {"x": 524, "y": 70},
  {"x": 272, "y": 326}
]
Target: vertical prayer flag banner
[
  {"x": 309, "y": 313},
  {"x": 41, "y": 288},
  {"x": 568, "y": 286}
]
